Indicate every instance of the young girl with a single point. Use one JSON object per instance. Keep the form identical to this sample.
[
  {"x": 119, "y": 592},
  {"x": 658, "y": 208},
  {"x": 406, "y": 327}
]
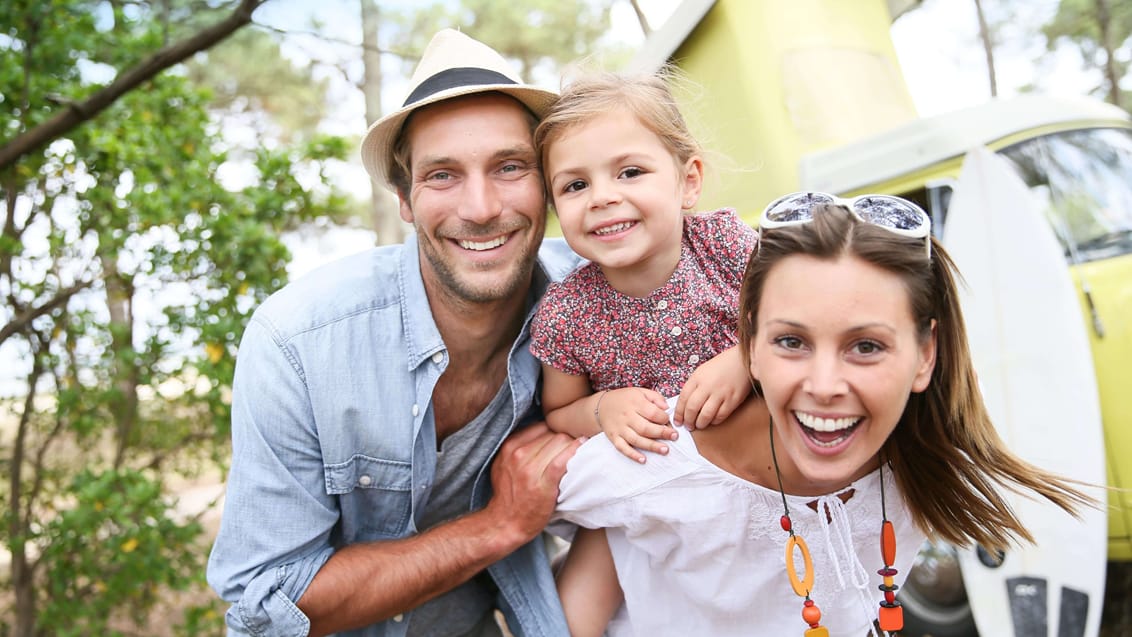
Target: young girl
[
  {"x": 653, "y": 313},
  {"x": 876, "y": 435}
]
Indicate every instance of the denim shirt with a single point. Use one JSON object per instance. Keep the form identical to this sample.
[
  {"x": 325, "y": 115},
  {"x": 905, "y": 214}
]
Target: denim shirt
[{"x": 334, "y": 442}]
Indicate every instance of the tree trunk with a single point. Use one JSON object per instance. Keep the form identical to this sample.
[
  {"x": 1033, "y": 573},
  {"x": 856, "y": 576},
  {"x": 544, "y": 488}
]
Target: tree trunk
[
  {"x": 119, "y": 304},
  {"x": 988, "y": 47},
  {"x": 20, "y": 569},
  {"x": 384, "y": 214},
  {"x": 1104, "y": 23}
]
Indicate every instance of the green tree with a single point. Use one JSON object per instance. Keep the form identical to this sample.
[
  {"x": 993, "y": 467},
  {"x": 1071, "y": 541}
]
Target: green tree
[
  {"x": 128, "y": 272},
  {"x": 537, "y": 32},
  {"x": 250, "y": 78},
  {"x": 1102, "y": 30}
]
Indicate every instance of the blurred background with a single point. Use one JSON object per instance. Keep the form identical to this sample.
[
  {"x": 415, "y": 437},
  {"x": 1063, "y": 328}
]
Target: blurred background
[{"x": 167, "y": 165}]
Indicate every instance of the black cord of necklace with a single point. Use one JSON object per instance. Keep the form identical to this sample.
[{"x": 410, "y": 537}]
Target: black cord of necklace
[
  {"x": 778, "y": 474},
  {"x": 883, "y": 511}
]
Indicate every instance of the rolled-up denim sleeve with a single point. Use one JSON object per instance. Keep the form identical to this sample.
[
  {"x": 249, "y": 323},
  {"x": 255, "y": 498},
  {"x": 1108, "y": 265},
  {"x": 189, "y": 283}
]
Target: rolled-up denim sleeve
[{"x": 275, "y": 530}]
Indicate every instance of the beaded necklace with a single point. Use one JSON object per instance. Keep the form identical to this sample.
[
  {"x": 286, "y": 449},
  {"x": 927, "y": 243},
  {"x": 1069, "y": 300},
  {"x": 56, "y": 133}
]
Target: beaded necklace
[{"x": 890, "y": 617}]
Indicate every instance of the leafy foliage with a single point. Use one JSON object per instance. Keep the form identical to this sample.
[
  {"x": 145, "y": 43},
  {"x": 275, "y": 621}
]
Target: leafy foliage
[
  {"x": 1100, "y": 30},
  {"x": 128, "y": 269},
  {"x": 551, "y": 32},
  {"x": 110, "y": 550},
  {"x": 249, "y": 75}
]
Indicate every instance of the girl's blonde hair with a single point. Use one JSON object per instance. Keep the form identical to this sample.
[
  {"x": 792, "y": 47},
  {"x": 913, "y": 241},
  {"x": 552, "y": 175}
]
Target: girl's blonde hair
[
  {"x": 647, "y": 96},
  {"x": 945, "y": 453}
]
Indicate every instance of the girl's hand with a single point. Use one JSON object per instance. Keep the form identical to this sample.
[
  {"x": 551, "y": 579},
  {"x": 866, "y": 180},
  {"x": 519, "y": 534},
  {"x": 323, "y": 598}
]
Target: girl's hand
[
  {"x": 713, "y": 391},
  {"x": 635, "y": 418}
]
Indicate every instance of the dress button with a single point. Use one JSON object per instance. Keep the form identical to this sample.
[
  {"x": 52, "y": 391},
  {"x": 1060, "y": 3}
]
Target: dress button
[
  {"x": 416, "y": 409},
  {"x": 437, "y": 357},
  {"x": 693, "y": 359},
  {"x": 365, "y": 481},
  {"x": 662, "y": 304},
  {"x": 676, "y": 331},
  {"x": 398, "y": 617}
]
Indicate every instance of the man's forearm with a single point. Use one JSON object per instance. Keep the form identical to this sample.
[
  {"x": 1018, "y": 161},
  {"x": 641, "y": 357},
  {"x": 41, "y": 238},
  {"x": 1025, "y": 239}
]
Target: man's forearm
[{"x": 363, "y": 584}]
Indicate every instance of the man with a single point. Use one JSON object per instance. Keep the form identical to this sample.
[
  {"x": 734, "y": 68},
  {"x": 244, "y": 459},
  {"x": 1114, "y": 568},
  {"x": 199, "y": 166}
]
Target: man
[{"x": 371, "y": 396}]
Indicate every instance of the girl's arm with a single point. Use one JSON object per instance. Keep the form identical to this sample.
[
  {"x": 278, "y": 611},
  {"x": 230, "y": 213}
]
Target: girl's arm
[
  {"x": 633, "y": 417},
  {"x": 568, "y": 402},
  {"x": 587, "y": 584}
]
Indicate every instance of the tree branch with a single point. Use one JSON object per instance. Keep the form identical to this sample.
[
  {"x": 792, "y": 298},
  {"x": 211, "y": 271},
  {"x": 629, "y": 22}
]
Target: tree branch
[
  {"x": 21, "y": 320},
  {"x": 79, "y": 112}
]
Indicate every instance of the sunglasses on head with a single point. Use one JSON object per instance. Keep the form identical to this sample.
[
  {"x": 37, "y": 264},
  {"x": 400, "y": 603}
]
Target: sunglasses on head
[{"x": 896, "y": 215}]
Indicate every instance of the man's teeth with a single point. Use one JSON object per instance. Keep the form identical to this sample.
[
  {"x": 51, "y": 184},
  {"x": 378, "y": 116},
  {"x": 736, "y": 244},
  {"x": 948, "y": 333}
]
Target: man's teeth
[
  {"x": 617, "y": 227},
  {"x": 825, "y": 424},
  {"x": 483, "y": 245}
]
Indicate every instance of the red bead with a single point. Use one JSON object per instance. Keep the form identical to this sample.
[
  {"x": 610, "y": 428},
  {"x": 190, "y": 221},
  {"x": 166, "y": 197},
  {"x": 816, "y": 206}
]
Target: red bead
[
  {"x": 812, "y": 616},
  {"x": 887, "y": 572},
  {"x": 890, "y": 597},
  {"x": 888, "y": 543},
  {"x": 785, "y": 522},
  {"x": 809, "y": 602}
]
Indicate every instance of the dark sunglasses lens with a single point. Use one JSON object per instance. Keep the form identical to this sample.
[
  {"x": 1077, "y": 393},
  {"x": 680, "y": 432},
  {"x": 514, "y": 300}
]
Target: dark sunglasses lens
[
  {"x": 890, "y": 213},
  {"x": 796, "y": 207}
]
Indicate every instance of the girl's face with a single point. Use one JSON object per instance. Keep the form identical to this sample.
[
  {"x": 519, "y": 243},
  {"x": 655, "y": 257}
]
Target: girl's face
[
  {"x": 837, "y": 353},
  {"x": 619, "y": 194}
]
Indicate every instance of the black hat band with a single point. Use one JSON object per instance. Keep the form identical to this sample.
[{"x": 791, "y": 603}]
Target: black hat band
[{"x": 453, "y": 78}]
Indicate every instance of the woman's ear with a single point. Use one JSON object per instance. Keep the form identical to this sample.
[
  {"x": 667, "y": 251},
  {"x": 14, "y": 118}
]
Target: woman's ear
[{"x": 927, "y": 361}]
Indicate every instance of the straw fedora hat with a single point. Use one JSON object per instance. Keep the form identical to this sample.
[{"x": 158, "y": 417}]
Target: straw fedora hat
[{"x": 453, "y": 65}]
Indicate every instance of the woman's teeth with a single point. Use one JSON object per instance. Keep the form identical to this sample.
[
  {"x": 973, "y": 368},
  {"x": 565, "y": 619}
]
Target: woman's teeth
[
  {"x": 825, "y": 424},
  {"x": 826, "y": 432}
]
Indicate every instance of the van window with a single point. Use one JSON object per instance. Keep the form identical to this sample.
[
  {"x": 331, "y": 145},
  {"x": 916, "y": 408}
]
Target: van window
[{"x": 1084, "y": 178}]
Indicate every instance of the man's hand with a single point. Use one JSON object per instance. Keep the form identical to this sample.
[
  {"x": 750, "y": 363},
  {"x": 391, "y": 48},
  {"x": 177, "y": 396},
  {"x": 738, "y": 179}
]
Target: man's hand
[{"x": 525, "y": 477}]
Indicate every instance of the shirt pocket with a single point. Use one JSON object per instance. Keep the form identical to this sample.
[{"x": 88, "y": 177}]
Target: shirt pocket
[{"x": 375, "y": 496}]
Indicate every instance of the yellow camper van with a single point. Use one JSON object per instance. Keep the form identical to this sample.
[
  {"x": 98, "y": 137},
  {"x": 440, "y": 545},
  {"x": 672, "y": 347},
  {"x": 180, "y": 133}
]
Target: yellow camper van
[
  {"x": 1076, "y": 156},
  {"x": 809, "y": 95}
]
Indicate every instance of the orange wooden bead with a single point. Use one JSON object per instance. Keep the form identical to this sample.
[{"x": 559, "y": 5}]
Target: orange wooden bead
[
  {"x": 891, "y": 618},
  {"x": 888, "y": 543},
  {"x": 820, "y": 631},
  {"x": 811, "y": 615}
]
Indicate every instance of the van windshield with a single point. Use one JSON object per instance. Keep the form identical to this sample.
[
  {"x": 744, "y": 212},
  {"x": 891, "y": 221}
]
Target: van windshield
[{"x": 1085, "y": 179}]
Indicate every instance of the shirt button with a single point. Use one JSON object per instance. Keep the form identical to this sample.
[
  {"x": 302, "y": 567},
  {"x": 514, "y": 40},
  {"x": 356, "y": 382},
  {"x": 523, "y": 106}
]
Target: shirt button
[
  {"x": 365, "y": 481},
  {"x": 437, "y": 357},
  {"x": 416, "y": 409},
  {"x": 662, "y": 304},
  {"x": 676, "y": 331},
  {"x": 693, "y": 359},
  {"x": 398, "y": 617}
]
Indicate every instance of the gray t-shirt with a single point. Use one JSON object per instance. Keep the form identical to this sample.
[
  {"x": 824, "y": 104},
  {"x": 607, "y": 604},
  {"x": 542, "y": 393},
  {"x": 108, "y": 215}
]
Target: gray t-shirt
[{"x": 467, "y": 610}]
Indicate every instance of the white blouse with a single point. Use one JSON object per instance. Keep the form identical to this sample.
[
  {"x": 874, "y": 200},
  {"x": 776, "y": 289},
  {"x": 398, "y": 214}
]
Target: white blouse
[{"x": 700, "y": 551}]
